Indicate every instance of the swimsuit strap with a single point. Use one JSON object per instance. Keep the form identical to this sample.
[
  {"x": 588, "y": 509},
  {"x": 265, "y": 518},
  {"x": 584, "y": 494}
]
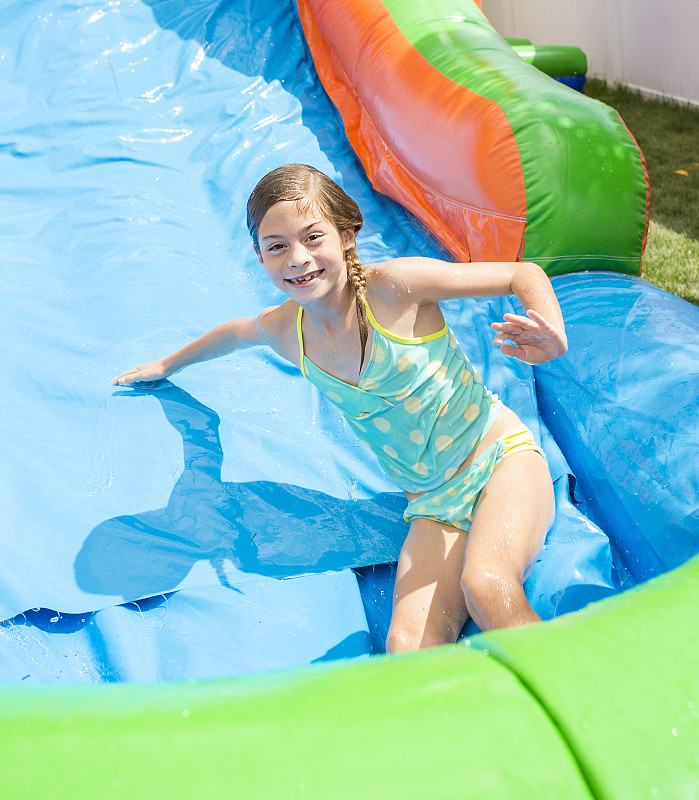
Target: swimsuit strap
[
  {"x": 300, "y": 335},
  {"x": 377, "y": 326}
]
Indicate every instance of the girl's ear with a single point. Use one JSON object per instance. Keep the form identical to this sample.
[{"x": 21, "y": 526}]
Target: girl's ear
[{"x": 348, "y": 238}]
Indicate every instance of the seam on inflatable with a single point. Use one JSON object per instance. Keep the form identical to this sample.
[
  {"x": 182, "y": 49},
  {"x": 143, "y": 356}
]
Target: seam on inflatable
[
  {"x": 644, "y": 166},
  {"x": 590, "y": 256},
  {"x": 553, "y": 720}
]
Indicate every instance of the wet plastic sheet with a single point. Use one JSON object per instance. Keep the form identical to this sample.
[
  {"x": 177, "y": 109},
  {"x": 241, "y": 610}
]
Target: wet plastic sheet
[
  {"x": 130, "y": 139},
  {"x": 624, "y": 405},
  {"x": 195, "y": 634}
]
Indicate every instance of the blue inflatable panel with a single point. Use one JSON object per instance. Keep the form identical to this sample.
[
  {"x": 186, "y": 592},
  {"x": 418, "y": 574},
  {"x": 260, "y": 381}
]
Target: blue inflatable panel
[
  {"x": 130, "y": 138},
  {"x": 623, "y": 404},
  {"x": 576, "y": 82},
  {"x": 195, "y": 634}
]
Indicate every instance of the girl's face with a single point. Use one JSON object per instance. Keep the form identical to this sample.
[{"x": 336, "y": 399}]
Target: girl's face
[{"x": 301, "y": 252}]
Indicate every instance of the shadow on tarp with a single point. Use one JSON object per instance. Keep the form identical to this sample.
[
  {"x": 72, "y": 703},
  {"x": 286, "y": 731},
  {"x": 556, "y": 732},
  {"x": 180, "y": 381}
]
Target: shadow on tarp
[{"x": 264, "y": 528}]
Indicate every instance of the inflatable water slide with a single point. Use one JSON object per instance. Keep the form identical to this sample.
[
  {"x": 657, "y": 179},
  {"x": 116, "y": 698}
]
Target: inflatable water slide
[{"x": 196, "y": 576}]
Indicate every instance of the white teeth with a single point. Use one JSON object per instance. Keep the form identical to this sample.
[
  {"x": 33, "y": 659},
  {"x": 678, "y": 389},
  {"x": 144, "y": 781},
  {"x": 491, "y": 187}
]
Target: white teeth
[{"x": 303, "y": 279}]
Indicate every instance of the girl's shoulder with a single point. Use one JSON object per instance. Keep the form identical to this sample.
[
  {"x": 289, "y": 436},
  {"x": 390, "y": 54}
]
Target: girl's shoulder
[
  {"x": 401, "y": 280},
  {"x": 276, "y": 327}
]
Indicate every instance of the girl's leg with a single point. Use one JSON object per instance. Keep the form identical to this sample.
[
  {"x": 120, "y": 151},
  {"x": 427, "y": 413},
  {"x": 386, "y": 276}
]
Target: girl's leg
[
  {"x": 513, "y": 514},
  {"x": 428, "y": 602}
]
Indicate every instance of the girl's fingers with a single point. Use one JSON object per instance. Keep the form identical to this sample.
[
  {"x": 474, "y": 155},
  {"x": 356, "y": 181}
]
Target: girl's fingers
[
  {"x": 511, "y": 327},
  {"x": 518, "y": 318},
  {"x": 130, "y": 376},
  {"x": 513, "y": 322},
  {"x": 541, "y": 321},
  {"x": 514, "y": 352}
]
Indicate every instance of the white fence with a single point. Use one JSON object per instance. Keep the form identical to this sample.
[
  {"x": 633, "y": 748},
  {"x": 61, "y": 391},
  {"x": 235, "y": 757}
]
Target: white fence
[{"x": 651, "y": 45}]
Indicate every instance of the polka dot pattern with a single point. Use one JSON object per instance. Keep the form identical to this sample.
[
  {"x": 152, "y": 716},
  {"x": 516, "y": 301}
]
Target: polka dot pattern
[
  {"x": 334, "y": 396},
  {"x": 382, "y": 425},
  {"x": 404, "y": 363},
  {"x": 472, "y": 412},
  {"x": 412, "y": 405},
  {"x": 417, "y": 436},
  {"x": 441, "y": 374},
  {"x": 455, "y": 502},
  {"x": 443, "y": 443}
]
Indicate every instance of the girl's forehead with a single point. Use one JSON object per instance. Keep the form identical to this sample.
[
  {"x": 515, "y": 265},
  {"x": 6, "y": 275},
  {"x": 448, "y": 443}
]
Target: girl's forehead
[{"x": 290, "y": 214}]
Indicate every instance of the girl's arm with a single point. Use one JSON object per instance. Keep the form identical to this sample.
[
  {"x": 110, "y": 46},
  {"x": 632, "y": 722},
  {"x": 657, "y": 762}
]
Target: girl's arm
[
  {"x": 227, "y": 338},
  {"x": 539, "y": 336}
]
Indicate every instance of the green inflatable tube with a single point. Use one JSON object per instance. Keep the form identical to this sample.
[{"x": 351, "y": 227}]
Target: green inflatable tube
[
  {"x": 599, "y": 704},
  {"x": 557, "y": 61},
  {"x": 586, "y": 186}
]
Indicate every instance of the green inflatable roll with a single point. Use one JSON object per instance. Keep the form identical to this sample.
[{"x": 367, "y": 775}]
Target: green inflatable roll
[
  {"x": 555, "y": 60},
  {"x": 599, "y": 704}
]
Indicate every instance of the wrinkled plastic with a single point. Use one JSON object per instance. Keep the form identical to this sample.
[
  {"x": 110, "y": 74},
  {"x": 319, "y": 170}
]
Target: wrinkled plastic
[
  {"x": 131, "y": 139},
  {"x": 624, "y": 405},
  {"x": 194, "y": 634}
]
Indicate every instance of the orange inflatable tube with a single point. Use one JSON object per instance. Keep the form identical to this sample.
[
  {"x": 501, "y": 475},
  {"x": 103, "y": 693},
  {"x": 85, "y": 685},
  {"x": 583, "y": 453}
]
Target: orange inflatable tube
[{"x": 362, "y": 56}]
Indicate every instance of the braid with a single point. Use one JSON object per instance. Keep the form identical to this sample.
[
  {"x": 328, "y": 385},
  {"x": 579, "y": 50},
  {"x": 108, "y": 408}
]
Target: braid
[{"x": 357, "y": 279}]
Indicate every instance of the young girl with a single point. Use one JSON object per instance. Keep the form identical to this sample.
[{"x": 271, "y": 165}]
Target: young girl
[{"x": 373, "y": 339}]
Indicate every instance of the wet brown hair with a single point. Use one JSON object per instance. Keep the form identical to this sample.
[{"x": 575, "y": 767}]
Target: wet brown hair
[{"x": 313, "y": 190}]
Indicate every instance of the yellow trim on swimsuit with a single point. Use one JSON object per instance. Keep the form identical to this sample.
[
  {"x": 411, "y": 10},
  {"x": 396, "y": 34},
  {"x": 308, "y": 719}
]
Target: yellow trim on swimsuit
[
  {"x": 299, "y": 333},
  {"x": 403, "y": 340}
]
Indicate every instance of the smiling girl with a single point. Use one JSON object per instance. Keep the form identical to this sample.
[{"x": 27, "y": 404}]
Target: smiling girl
[{"x": 373, "y": 339}]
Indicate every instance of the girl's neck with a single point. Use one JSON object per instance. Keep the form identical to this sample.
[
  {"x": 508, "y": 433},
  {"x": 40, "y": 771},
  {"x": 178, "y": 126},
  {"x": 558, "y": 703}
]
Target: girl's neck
[{"x": 334, "y": 314}]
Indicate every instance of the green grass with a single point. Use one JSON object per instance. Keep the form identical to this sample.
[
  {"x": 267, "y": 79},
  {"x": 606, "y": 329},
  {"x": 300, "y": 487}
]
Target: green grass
[{"x": 668, "y": 135}]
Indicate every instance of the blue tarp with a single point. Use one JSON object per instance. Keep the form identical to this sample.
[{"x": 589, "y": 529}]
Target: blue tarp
[{"x": 232, "y": 503}]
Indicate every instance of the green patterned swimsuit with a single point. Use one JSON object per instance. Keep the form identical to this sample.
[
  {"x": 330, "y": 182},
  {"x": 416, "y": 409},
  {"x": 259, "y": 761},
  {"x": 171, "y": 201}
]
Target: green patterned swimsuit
[{"x": 422, "y": 408}]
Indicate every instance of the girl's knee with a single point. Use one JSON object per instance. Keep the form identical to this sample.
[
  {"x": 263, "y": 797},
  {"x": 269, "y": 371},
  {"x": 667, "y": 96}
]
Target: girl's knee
[
  {"x": 485, "y": 585},
  {"x": 403, "y": 638},
  {"x": 400, "y": 640}
]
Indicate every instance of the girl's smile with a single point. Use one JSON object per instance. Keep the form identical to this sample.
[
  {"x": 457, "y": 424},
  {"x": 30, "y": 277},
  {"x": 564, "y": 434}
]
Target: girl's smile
[{"x": 304, "y": 280}]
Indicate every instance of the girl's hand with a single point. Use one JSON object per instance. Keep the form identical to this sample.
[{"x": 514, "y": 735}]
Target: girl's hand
[
  {"x": 537, "y": 340},
  {"x": 152, "y": 371}
]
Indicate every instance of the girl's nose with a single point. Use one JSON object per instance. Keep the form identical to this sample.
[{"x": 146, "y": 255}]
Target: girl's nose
[{"x": 298, "y": 255}]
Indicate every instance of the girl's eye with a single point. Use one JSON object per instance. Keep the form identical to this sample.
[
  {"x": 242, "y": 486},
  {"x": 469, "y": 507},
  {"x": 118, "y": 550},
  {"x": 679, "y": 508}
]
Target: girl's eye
[
  {"x": 314, "y": 236},
  {"x": 276, "y": 247}
]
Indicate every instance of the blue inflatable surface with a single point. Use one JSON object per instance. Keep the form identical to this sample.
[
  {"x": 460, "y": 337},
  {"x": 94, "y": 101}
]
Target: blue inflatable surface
[{"x": 226, "y": 522}]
